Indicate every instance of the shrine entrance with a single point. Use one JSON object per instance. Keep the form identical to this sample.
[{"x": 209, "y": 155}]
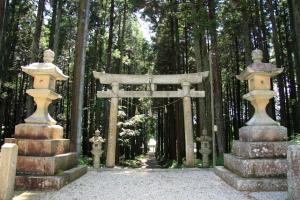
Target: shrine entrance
[{"x": 186, "y": 93}]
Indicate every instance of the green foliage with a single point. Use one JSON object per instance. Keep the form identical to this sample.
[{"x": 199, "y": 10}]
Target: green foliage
[
  {"x": 296, "y": 138},
  {"x": 136, "y": 163},
  {"x": 220, "y": 160},
  {"x": 85, "y": 160}
]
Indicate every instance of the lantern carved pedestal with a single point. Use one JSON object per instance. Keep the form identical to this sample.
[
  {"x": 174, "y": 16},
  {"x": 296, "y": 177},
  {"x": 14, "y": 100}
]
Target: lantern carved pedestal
[
  {"x": 44, "y": 160},
  {"x": 258, "y": 160}
]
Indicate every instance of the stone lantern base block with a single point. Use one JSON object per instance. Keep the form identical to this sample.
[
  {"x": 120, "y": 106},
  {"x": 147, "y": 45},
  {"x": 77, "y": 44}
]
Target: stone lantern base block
[
  {"x": 255, "y": 168},
  {"x": 28, "y": 147},
  {"x": 49, "y": 183},
  {"x": 263, "y": 134},
  {"x": 260, "y": 149},
  {"x": 46, "y": 165},
  {"x": 44, "y": 161},
  {"x": 251, "y": 184},
  {"x": 38, "y": 131}
]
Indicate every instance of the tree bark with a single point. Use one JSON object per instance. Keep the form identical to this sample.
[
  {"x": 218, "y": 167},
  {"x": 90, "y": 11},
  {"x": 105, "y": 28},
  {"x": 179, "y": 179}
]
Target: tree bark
[
  {"x": 35, "y": 48},
  {"x": 78, "y": 79},
  {"x": 110, "y": 37},
  {"x": 216, "y": 77},
  {"x": 2, "y": 20},
  {"x": 296, "y": 27}
]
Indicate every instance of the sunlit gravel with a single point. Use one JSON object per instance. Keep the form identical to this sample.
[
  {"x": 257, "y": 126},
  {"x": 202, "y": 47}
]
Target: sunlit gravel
[{"x": 154, "y": 184}]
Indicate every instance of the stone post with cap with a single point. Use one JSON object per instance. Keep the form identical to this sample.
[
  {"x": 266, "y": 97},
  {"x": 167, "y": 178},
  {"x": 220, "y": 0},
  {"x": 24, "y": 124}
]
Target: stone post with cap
[
  {"x": 43, "y": 153},
  {"x": 258, "y": 160}
]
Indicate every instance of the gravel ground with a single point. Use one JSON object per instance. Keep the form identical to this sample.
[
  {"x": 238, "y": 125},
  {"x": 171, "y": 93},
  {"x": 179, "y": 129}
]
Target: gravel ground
[{"x": 156, "y": 184}]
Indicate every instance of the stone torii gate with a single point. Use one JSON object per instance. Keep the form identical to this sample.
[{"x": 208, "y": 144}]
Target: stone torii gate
[{"x": 185, "y": 80}]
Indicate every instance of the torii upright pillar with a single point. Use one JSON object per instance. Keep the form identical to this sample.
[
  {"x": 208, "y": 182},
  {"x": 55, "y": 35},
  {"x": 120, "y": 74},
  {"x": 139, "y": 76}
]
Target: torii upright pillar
[
  {"x": 112, "y": 130},
  {"x": 188, "y": 124}
]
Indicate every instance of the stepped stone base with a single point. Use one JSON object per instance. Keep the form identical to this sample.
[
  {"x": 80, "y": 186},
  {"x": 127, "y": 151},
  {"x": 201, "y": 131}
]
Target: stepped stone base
[
  {"x": 255, "y": 168},
  {"x": 46, "y": 165},
  {"x": 251, "y": 184},
  {"x": 49, "y": 147},
  {"x": 45, "y": 161},
  {"x": 260, "y": 149},
  {"x": 49, "y": 183}
]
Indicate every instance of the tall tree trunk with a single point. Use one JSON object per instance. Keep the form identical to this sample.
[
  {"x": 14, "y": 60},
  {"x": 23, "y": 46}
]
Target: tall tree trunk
[
  {"x": 35, "y": 48},
  {"x": 296, "y": 28},
  {"x": 2, "y": 20},
  {"x": 78, "y": 79},
  {"x": 279, "y": 62},
  {"x": 53, "y": 24},
  {"x": 110, "y": 37},
  {"x": 216, "y": 77},
  {"x": 57, "y": 28}
]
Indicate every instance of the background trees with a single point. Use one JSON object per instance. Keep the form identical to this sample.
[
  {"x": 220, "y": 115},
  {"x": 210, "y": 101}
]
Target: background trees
[{"x": 186, "y": 33}]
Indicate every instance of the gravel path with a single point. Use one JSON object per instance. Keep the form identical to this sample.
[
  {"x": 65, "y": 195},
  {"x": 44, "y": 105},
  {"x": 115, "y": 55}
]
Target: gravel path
[{"x": 156, "y": 184}]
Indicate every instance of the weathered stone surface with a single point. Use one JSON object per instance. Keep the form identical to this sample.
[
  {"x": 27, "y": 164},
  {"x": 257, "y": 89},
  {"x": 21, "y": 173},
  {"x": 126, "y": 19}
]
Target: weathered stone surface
[
  {"x": 45, "y": 75},
  {"x": 263, "y": 134},
  {"x": 251, "y": 184},
  {"x": 8, "y": 160},
  {"x": 40, "y": 147},
  {"x": 97, "y": 151},
  {"x": 293, "y": 174},
  {"x": 48, "y": 183},
  {"x": 112, "y": 129},
  {"x": 46, "y": 165},
  {"x": 188, "y": 125},
  {"x": 260, "y": 149},
  {"x": 255, "y": 168},
  {"x": 38, "y": 131},
  {"x": 193, "y": 78}
]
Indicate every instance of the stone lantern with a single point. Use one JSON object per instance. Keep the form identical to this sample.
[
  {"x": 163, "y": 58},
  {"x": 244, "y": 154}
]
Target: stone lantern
[
  {"x": 258, "y": 159},
  {"x": 45, "y": 76},
  {"x": 259, "y": 76},
  {"x": 205, "y": 147},
  {"x": 44, "y": 158},
  {"x": 97, "y": 141}
]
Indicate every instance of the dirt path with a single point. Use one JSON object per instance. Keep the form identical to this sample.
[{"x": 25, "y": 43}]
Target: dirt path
[{"x": 150, "y": 162}]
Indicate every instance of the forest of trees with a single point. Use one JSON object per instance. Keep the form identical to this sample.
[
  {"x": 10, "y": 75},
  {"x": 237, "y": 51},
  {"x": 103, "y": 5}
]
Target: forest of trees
[{"x": 190, "y": 36}]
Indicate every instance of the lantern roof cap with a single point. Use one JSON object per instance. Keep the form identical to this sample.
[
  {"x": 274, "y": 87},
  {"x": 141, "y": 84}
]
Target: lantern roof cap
[
  {"x": 259, "y": 68},
  {"x": 45, "y": 68}
]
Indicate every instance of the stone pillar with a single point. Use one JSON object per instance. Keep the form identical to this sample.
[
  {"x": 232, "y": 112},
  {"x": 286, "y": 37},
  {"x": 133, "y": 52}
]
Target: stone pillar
[
  {"x": 258, "y": 160},
  {"x": 43, "y": 153},
  {"x": 188, "y": 124},
  {"x": 293, "y": 174},
  {"x": 8, "y": 161},
  {"x": 97, "y": 141},
  {"x": 112, "y": 130}
]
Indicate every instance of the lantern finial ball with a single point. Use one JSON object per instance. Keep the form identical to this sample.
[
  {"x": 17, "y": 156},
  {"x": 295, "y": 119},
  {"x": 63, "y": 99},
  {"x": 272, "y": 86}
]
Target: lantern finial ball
[
  {"x": 48, "y": 56},
  {"x": 257, "y": 56},
  {"x": 97, "y": 133}
]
